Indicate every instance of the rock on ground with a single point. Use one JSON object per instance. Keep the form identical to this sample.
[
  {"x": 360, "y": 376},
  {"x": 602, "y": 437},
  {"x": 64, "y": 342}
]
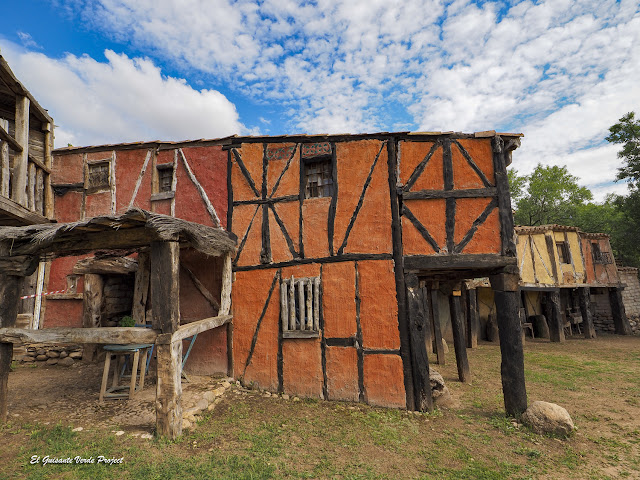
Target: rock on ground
[
  {"x": 545, "y": 417},
  {"x": 439, "y": 391}
]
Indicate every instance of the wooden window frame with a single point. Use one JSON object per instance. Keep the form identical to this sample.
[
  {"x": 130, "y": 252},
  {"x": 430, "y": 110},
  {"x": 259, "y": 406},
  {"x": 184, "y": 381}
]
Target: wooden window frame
[
  {"x": 300, "y": 295},
  {"x": 564, "y": 252},
  {"x": 320, "y": 190},
  {"x": 91, "y": 188},
  {"x": 162, "y": 169}
]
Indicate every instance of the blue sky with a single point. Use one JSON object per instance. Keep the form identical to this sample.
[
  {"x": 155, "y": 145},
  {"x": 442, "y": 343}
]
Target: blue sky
[{"x": 559, "y": 71}]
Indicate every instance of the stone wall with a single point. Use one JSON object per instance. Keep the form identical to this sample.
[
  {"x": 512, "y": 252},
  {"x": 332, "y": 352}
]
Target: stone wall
[
  {"x": 601, "y": 309},
  {"x": 631, "y": 296},
  {"x": 117, "y": 298},
  {"x": 65, "y": 355}
]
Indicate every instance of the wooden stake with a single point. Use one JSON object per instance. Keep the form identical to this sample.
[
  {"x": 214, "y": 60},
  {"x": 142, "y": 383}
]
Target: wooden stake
[
  {"x": 9, "y": 298},
  {"x": 458, "y": 338},
  {"x": 419, "y": 358},
  {"x": 585, "y": 311}
]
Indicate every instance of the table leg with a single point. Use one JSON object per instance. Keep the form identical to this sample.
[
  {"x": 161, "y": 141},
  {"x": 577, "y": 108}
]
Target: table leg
[
  {"x": 134, "y": 371},
  {"x": 116, "y": 370},
  {"x": 105, "y": 376},
  {"x": 143, "y": 369}
]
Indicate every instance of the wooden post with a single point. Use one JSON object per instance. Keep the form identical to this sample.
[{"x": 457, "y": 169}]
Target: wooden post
[
  {"x": 141, "y": 289},
  {"x": 556, "y": 325},
  {"x": 48, "y": 161},
  {"x": 620, "y": 320},
  {"x": 4, "y": 161},
  {"x": 165, "y": 300},
  {"x": 473, "y": 322},
  {"x": 9, "y": 298},
  {"x": 227, "y": 279},
  {"x": 31, "y": 187},
  {"x": 419, "y": 358},
  {"x": 512, "y": 366},
  {"x": 91, "y": 311},
  {"x": 169, "y": 390},
  {"x": 435, "y": 320},
  {"x": 21, "y": 159},
  {"x": 585, "y": 311},
  {"x": 458, "y": 337},
  {"x": 428, "y": 327}
]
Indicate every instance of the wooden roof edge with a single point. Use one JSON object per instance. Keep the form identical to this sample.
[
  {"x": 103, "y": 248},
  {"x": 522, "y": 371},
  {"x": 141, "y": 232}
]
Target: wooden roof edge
[
  {"x": 160, "y": 144},
  {"x": 19, "y": 89}
]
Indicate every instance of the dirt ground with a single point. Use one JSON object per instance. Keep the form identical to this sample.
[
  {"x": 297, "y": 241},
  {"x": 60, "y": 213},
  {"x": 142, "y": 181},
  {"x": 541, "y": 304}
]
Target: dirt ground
[{"x": 49, "y": 394}]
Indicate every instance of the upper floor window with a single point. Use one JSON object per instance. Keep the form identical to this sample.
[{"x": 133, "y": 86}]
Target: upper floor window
[
  {"x": 98, "y": 175},
  {"x": 599, "y": 256},
  {"x": 318, "y": 180},
  {"x": 165, "y": 177},
  {"x": 563, "y": 252}
]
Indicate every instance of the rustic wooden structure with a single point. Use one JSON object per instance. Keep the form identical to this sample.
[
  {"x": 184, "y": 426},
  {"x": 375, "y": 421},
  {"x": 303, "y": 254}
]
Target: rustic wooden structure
[
  {"x": 159, "y": 236},
  {"x": 559, "y": 267},
  {"x": 26, "y": 143}
]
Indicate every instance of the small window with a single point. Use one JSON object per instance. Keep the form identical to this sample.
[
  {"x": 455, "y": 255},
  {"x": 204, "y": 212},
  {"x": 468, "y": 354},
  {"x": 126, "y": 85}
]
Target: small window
[
  {"x": 165, "y": 177},
  {"x": 300, "y": 307},
  {"x": 318, "y": 181},
  {"x": 599, "y": 256},
  {"x": 98, "y": 175},
  {"x": 563, "y": 252}
]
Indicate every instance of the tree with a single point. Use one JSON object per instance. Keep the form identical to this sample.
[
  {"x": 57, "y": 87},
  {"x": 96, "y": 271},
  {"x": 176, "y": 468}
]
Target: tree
[
  {"x": 548, "y": 195},
  {"x": 627, "y": 133}
]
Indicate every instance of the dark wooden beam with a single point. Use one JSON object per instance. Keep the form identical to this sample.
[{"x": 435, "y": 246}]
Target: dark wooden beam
[
  {"x": 165, "y": 286},
  {"x": 620, "y": 320},
  {"x": 17, "y": 211},
  {"x": 9, "y": 301},
  {"x": 467, "y": 193},
  {"x": 435, "y": 321},
  {"x": 473, "y": 320},
  {"x": 459, "y": 342},
  {"x": 457, "y": 262},
  {"x": 4, "y": 135},
  {"x": 587, "y": 319},
  {"x": 554, "y": 317}
]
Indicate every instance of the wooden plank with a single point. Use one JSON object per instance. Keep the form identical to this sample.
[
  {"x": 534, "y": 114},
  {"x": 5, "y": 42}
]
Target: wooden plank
[
  {"x": 512, "y": 367},
  {"x": 65, "y": 335},
  {"x": 435, "y": 321},
  {"x": 141, "y": 289},
  {"x": 585, "y": 311},
  {"x": 9, "y": 301},
  {"x": 48, "y": 160},
  {"x": 165, "y": 285},
  {"x": 91, "y": 311},
  {"x": 4, "y": 161},
  {"x": 316, "y": 304},
  {"x": 554, "y": 317},
  {"x": 169, "y": 390},
  {"x": 34, "y": 159},
  {"x": 459, "y": 342},
  {"x": 301, "y": 309},
  {"x": 19, "y": 265},
  {"x": 106, "y": 266},
  {"x": 21, "y": 159},
  {"x": 309, "y": 304},
  {"x": 620, "y": 320},
  {"x": 428, "y": 323},
  {"x": 457, "y": 262},
  {"x": 227, "y": 281},
  {"x": 292, "y": 304},
  {"x": 284, "y": 307},
  {"x": 199, "y": 326},
  {"x": 37, "y": 309},
  {"x": 5, "y": 137},
  {"x": 419, "y": 358},
  {"x": 21, "y": 213},
  {"x": 39, "y": 192},
  {"x": 466, "y": 193},
  {"x": 473, "y": 320}
]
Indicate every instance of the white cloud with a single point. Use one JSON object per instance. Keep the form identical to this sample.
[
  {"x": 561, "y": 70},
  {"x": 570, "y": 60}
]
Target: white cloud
[{"x": 120, "y": 100}]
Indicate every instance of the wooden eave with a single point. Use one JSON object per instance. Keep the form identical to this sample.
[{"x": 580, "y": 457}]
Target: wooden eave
[
  {"x": 10, "y": 80},
  {"x": 158, "y": 144}
]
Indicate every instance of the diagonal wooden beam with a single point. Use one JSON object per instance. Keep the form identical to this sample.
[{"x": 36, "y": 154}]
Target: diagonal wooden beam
[
  {"x": 474, "y": 227},
  {"x": 473, "y": 164},
  {"x": 421, "y": 228},
  {"x": 284, "y": 170},
  {"x": 245, "y": 172},
  {"x": 204, "y": 291},
  {"x": 421, "y": 166}
]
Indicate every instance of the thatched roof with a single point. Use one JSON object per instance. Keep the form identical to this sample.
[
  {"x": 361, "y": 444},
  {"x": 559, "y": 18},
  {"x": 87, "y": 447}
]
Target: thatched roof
[{"x": 134, "y": 229}]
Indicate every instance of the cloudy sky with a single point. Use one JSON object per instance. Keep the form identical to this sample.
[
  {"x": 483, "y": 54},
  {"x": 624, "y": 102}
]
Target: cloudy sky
[{"x": 559, "y": 71}]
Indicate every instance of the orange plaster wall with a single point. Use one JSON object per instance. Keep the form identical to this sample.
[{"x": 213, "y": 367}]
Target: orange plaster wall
[
  {"x": 384, "y": 380},
  {"x": 302, "y": 366},
  {"x": 250, "y": 254},
  {"x": 68, "y": 207},
  {"x": 342, "y": 373},
  {"x": 315, "y": 214},
  {"x": 209, "y": 353},
  {"x": 487, "y": 236},
  {"x": 189, "y": 203},
  {"x": 463, "y": 175},
  {"x": 128, "y": 166},
  {"x": 161, "y": 206},
  {"x": 63, "y": 313},
  {"x": 431, "y": 214},
  {"x": 411, "y": 154},
  {"x": 378, "y": 304},
  {"x": 250, "y": 291},
  {"x": 338, "y": 300},
  {"x": 97, "y": 204},
  {"x": 279, "y": 248},
  {"x": 251, "y": 154},
  {"x": 481, "y": 153},
  {"x": 290, "y": 182},
  {"x": 67, "y": 168}
]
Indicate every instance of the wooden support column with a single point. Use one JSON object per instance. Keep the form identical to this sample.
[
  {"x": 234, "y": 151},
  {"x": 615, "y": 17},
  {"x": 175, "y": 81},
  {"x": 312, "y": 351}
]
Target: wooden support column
[
  {"x": 459, "y": 342},
  {"x": 428, "y": 321},
  {"x": 165, "y": 300},
  {"x": 48, "y": 161},
  {"x": 473, "y": 320},
  {"x": 9, "y": 301},
  {"x": 141, "y": 289},
  {"x": 554, "y": 312},
  {"x": 514, "y": 390},
  {"x": 620, "y": 320},
  {"x": 585, "y": 311},
  {"x": 225, "y": 306},
  {"x": 419, "y": 358},
  {"x": 91, "y": 311},
  {"x": 4, "y": 162},
  {"x": 21, "y": 159},
  {"x": 435, "y": 321}
]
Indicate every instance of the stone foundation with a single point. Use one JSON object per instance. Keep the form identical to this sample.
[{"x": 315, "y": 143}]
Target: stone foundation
[
  {"x": 631, "y": 296},
  {"x": 65, "y": 355}
]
